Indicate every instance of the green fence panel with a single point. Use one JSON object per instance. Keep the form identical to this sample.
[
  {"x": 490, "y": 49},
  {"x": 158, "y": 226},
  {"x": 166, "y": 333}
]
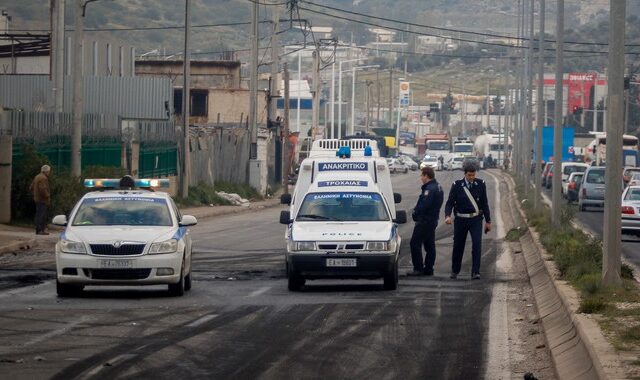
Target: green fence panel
[
  {"x": 158, "y": 160},
  {"x": 94, "y": 153}
]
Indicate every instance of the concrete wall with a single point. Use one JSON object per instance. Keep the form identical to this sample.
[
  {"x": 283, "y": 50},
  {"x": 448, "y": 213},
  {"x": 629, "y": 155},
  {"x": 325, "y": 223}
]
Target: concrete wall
[
  {"x": 231, "y": 104},
  {"x": 25, "y": 65},
  {"x": 204, "y": 74}
]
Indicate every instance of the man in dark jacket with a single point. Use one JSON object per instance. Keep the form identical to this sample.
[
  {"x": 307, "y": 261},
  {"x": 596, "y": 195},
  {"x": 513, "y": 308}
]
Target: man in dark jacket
[
  {"x": 42, "y": 198},
  {"x": 468, "y": 200},
  {"x": 426, "y": 214}
]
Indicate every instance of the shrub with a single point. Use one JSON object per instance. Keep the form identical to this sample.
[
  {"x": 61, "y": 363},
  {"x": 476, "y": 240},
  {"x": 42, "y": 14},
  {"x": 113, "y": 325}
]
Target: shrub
[
  {"x": 24, "y": 170},
  {"x": 591, "y": 305}
]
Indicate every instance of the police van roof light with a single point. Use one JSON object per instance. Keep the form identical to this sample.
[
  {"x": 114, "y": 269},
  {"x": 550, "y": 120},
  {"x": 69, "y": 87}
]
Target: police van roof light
[
  {"x": 368, "y": 151},
  {"x": 344, "y": 152}
]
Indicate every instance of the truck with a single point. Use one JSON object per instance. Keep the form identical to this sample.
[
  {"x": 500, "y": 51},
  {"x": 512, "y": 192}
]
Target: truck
[
  {"x": 462, "y": 147},
  {"x": 490, "y": 144},
  {"x": 597, "y": 149},
  {"x": 436, "y": 145},
  {"x": 342, "y": 220}
]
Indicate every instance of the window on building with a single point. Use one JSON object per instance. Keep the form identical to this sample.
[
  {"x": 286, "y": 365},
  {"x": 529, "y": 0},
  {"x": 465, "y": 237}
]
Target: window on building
[
  {"x": 177, "y": 101},
  {"x": 199, "y": 102}
]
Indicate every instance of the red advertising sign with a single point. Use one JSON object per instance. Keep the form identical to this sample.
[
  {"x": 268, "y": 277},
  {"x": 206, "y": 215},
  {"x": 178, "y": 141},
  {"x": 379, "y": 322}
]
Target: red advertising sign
[{"x": 579, "y": 88}]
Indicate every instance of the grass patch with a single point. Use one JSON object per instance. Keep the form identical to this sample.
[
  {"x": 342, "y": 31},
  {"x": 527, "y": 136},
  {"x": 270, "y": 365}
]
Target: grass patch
[
  {"x": 578, "y": 258},
  {"x": 514, "y": 234}
]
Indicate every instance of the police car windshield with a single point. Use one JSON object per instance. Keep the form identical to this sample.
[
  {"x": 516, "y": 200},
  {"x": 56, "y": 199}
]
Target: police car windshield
[
  {"x": 119, "y": 211},
  {"x": 343, "y": 206}
]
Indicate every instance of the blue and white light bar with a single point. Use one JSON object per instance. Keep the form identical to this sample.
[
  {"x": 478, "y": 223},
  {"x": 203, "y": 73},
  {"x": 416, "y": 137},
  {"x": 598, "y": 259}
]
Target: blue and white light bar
[{"x": 115, "y": 183}]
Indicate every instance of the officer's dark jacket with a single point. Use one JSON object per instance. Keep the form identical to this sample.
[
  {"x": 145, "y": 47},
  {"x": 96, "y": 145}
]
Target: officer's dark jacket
[
  {"x": 429, "y": 202},
  {"x": 459, "y": 201}
]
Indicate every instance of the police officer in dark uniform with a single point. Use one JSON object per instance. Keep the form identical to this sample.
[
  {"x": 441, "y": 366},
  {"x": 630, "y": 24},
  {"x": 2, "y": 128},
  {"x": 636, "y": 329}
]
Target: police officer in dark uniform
[
  {"x": 468, "y": 201},
  {"x": 426, "y": 214}
]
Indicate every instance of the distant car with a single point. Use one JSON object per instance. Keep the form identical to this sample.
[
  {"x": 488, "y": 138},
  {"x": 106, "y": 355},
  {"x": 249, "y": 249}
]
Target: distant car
[
  {"x": 430, "y": 161},
  {"x": 567, "y": 169},
  {"x": 573, "y": 186},
  {"x": 472, "y": 160},
  {"x": 592, "y": 188},
  {"x": 631, "y": 210},
  {"x": 409, "y": 162},
  {"x": 396, "y": 166},
  {"x": 119, "y": 235},
  {"x": 628, "y": 172},
  {"x": 454, "y": 163},
  {"x": 634, "y": 180}
]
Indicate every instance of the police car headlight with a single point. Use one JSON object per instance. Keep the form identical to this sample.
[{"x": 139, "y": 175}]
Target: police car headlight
[
  {"x": 304, "y": 245},
  {"x": 68, "y": 246},
  {"x": 385, "y": 246},
  {"x": 168, "y": 246}
]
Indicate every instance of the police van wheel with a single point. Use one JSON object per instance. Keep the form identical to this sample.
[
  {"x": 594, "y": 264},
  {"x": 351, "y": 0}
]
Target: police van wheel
[
  {"x": 391, "y": 278},
  {"x": 295, "y": 281},
  {"x": 68, "y": 290}
]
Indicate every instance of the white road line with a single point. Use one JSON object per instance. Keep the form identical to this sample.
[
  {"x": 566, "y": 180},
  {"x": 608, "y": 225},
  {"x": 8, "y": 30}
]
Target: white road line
[
  {"x": 260, "y": 291},
  {"x": 202, "y": 320},
  {"x": 498, "y": 359},
  {"x": 56, "y": 332}
]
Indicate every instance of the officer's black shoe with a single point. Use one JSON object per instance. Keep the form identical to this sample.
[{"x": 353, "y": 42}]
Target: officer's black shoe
[
  {"x": 415, "y": 272},
  {"x": 428, "y": 272},
  {"x": 475, "y": 276},
  {"x": 453, "y": 276}
]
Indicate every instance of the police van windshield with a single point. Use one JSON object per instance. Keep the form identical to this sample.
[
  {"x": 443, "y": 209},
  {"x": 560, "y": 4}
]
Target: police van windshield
[
  {"x": 343, "y": 206},
  {"x": 463, "y": 148},
  {"x": 119, "y": 211}
]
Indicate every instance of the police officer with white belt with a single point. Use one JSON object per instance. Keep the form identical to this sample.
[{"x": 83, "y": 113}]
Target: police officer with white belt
[{"x": 468, "y": 201}]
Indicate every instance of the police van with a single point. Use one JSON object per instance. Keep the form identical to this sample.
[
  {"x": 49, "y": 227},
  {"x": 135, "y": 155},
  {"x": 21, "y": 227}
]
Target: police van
[{"x": 342, "y": 221}]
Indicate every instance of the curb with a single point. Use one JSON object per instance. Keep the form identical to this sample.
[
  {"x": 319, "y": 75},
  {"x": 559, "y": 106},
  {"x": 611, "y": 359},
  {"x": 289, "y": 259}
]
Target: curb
[{"x": 578, "y": 346}]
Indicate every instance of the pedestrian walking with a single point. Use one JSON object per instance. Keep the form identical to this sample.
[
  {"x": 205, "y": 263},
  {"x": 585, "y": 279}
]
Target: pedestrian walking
[
  {"x": 426, "y": 214},
  {"x": 42, "y": 198},
  {"x": 468, "y": 201}
]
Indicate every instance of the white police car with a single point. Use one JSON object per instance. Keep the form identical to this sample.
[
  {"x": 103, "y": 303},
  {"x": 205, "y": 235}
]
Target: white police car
[{"x": 124, "y": 233}]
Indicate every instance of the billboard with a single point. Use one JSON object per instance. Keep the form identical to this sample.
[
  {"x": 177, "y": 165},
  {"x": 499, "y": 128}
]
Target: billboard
[{"x": 579, "y": 87}]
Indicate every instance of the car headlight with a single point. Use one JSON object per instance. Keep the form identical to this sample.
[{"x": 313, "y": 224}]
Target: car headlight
[
  {"x": 385, "y": 246},
  {"x": 303, "y": 245},
  {"x": 167, "y": 246},
  {"x": 68, "y": 246}
]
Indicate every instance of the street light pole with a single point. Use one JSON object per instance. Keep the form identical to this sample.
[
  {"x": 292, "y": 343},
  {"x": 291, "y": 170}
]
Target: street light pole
[
  {"x": 78, "y": 101},
  {"x": 556, "y": 180},
  {"x": 612, "y": 246},
  {"x": 540, "y": 116}
]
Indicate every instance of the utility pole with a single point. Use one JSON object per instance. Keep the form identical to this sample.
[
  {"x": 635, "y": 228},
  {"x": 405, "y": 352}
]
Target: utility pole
[
  {"x": 488, "y": 105},
  {"x": 333, "y": 99},
  {"x": 285, "y": 140},
  {"x": 540, "y": 116},
  {"x": 57, "y": 42},
  {"x": 556, "y": 180},
  {"x": 612, "y": 246},
  {"x": 78, "y": 101},
  {"x": 528, "y": 129},
  {"x": 378, "y": 97},
  {"x": 275, "y": 61},
  {"x": 316, "y": 92},
  {"x": 518, "y": 99},
  {"x": 391, "y": 98},
  {"x": 253, "y": 84},
  {"x": 500, "y": 135},
  {"x": 186, "y": 102}
]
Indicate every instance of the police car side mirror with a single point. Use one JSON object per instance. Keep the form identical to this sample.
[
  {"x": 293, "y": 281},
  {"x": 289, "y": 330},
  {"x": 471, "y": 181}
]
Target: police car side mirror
[
  {"x": 285, "y": 199},
  {"x": 401, "y": 217},
  {"x": 59, "y": 220},
  {"x": 397, "y": 197},
  {"x": 285, "y": 217},
  {"x": 188, "y": 220}
]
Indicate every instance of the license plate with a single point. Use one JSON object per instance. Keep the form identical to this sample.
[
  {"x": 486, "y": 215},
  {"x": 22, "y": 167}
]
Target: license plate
[
  {"x": 342, "y": 263},
  {"x": 116, "y": 264}
]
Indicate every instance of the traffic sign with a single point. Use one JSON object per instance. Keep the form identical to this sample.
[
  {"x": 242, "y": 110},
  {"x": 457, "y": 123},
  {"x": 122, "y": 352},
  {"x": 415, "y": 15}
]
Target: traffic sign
[{"x": 571, "y": 150}]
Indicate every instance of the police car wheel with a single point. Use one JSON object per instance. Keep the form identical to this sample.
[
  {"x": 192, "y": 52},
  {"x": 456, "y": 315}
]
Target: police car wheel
[
  {"x": 391, "y": 278},
  {"x": 178, "y": 289},
  {"x": 68, "y": 290}
]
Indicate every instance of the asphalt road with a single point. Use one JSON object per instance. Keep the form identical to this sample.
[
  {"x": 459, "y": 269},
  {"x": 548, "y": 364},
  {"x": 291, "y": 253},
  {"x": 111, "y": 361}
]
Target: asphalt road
[
  {"x": 240, "y": 321},
  {"x": 594, "y": 218}
]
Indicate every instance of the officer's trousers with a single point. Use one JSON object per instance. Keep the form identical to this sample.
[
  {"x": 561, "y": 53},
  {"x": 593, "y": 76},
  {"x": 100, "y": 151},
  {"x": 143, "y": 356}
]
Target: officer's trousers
[
  {"x": 424, "y": 234},
  {"x": 460, "y": 228}
]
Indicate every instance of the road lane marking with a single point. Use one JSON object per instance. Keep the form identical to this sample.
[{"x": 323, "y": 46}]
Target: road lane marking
[
  {"x": 260, "y": 291},
  {"x": 56, "y": 332},
  {"x": 202, "y": 320}
]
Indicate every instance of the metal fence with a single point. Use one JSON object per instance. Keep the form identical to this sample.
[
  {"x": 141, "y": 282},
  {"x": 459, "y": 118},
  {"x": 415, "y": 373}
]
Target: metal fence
[{"x": 219, "y": 154}]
